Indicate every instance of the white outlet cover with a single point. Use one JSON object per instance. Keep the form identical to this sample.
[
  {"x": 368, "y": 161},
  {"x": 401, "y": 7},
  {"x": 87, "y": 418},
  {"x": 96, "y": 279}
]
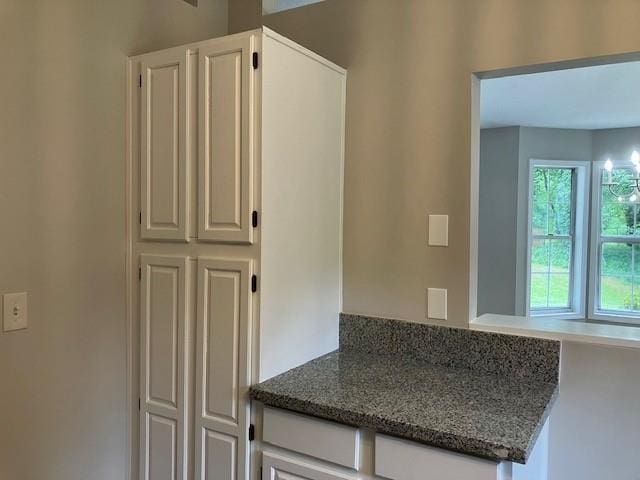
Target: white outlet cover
[
  {"x": 439, "y": 230},
  {"x": 437, "y": 303},
  {"x": 14, "y": 311}
]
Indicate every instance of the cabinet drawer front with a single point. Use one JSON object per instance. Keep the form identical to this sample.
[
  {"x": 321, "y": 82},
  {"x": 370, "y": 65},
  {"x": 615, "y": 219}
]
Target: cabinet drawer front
[
  {"x": 277, "y": 467},
  {"x": 403, "y": 460},
  {"x": 321, "y": 439}
]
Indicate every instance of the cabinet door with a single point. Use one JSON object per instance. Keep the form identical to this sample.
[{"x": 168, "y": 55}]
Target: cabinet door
[
  {"x": 163, "y": 146},
  {"x": 226, "y": 78},
  {"x": 278, "y": 467},
  {"x": 222, "y": 369},
  {"x": 164, "y": 333}
]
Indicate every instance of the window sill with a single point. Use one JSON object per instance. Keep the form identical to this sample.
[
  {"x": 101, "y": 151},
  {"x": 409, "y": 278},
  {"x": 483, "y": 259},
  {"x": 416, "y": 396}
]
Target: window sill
[
  {"x": 557, "y": 316},
  {"x": 557, "y": 329},
  {"x": 614, "y": 317}
]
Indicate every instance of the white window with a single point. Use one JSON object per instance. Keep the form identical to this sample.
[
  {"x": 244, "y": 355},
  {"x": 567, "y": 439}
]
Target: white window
[
  {"x": 557, "y": 239},
  {"x": 615, "y": 245}
]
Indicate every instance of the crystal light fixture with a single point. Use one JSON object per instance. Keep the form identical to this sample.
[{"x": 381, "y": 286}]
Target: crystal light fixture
[{"x": 624, "y": 192}]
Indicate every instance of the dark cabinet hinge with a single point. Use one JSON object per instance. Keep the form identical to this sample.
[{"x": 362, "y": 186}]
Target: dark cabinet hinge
[
  {"x": 138, "y": 403},
  {"x": 254, "y": 283},
  {"x": 255, "y": 60},
  {"x": 139, "y": 273},
  {"x": 140, "y": 81},
  {"x": 140, "y": 218},
  {"x": 252, "y": 433},
  {"x": 254, "y": 219}
]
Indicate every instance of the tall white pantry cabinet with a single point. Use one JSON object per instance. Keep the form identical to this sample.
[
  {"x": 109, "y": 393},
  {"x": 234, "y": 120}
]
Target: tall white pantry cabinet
[{"x": 235, "y": 164}]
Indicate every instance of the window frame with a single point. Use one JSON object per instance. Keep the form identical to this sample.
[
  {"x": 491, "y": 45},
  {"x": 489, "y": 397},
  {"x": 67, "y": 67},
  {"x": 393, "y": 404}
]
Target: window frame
[
  {"x": 578, "y": 236},
  {"x": 595, "y": 312}
]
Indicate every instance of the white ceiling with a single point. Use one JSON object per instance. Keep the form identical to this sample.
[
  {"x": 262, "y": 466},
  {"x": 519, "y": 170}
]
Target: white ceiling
[{"x": 606, "y": 96}]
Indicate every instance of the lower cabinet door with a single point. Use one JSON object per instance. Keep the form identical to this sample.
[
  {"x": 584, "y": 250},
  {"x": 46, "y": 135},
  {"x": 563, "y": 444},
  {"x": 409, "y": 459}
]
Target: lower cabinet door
[
  {"x": 278, "y": 467},
  {"x": 164, "y": 374},
  {"x": 222, "y": 369}
]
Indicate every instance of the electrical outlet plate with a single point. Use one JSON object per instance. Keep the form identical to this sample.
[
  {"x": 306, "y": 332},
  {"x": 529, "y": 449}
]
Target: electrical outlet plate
[
  {"x": 14, "y": 310},
  {"x": 439, "y": 230},
  {"x": 437, "y": 303}
]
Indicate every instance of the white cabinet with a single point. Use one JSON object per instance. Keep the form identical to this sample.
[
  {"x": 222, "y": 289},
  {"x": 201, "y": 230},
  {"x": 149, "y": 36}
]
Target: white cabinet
[
  {"x": 163, "y": 146},
  {"x": 235, "y": 221},
  {"x": 222, "y": 369},
  {"x": 301, "y": 446},
  {"x": 164, "y": 383},
  {"x": 225, "y": 202}
]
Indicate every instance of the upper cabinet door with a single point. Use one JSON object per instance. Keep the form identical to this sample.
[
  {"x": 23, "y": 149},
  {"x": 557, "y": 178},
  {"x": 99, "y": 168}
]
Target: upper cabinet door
[
  {"x": 225, "y": 199},
  {"x": 163, "y": 146}
]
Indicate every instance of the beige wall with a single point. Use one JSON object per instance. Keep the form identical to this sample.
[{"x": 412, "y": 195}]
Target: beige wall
[
  {"x": 408, "y": 120},
  {"x": 62, "y": 92},
  {"x": 244, "y": 15},
  {"x": 408, "y": 154},
  {"x": 594, "y": 429}
]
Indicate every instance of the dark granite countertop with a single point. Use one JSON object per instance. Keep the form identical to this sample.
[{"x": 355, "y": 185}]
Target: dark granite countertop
[{"x": 446, "y": 404}]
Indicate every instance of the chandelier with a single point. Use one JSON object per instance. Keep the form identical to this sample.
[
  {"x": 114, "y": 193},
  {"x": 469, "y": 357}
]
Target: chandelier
[{"x": 629, "y": 190}]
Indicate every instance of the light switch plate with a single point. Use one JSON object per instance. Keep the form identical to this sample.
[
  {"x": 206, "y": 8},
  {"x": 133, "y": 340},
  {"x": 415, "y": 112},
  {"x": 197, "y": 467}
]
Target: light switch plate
[
  {"x": 439, "y": 230},
  {"x": 437, "y": 303},
  {"x": 14, "y": 310}
]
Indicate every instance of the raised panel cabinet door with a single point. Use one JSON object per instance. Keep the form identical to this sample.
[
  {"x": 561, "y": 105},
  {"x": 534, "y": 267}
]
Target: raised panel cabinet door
[
  {"x": 225, "y": 198},
  {"x": 164, "y": 146},
  {"x": 222, "y": 369},
  {"x": 164, "y": 380}
]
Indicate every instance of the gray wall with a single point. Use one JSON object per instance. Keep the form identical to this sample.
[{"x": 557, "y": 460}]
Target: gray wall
[
  {"x": 498, "y": 210},
  {"x": 63, "y": 405},
  {"x": 502, "y": 246},
  {"x": 615, "y": 143},
  {"x": 595, "y": 424}
]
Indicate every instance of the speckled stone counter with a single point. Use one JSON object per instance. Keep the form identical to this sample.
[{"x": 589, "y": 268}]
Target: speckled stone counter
[{"x": 435, "y": 385}]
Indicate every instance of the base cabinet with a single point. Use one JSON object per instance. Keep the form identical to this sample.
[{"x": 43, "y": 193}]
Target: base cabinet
[{"x": 296, "y": 446}]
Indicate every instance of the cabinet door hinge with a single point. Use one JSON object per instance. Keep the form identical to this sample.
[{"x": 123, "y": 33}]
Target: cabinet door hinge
[
  {"x": 252, "y": 433},
  {"x": 254, "y": 283},
  {"x": 254, "y": 219},
  {"x": 140, "y": 81},
  {"x": 255, "y": 60},
  {"x": 140, "y": 218},
  {"x": 138, "y": 403},
  {"x": 139, "y": 275}
]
